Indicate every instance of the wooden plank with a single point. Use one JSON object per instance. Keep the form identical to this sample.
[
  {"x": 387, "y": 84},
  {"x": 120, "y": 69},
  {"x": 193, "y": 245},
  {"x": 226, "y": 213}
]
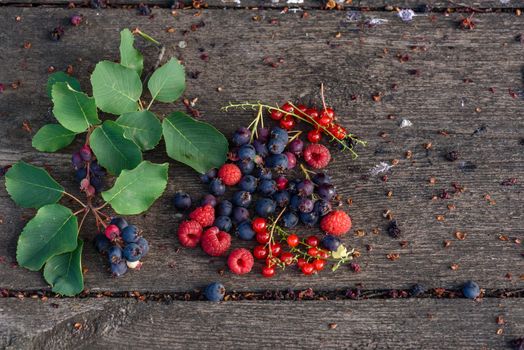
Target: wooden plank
[
  {"x": 372, "y": 324},
  {"x": 353, "y": 65}
]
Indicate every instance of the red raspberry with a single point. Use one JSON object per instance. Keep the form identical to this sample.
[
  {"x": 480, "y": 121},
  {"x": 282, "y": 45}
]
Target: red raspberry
[
  {"x": 336, "y": 223},
  {"x": 317, "y": 156},
  {"x": 230, "y": 174},
  {"x": 215, "y": 242},
  {"x": 189, "y": 233},
  {"x": 240, "y": 261},
  {"x": 204, "y": 215}
]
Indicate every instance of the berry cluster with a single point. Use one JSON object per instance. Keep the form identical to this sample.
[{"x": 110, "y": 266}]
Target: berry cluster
[
  {"x": 88, "y": 173},
  {"x": 266, "y": 202},
  {"x": 123, "y": 244}
]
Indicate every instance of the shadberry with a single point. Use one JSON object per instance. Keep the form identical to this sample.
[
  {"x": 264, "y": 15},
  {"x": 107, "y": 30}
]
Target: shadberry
[
  {"x": 241, "y": 199},
  {"x": 326, "y": 191},
  {"x": 208, "y": 199},
  {"x": 224, "y": 208},
  {"x": 305, "y": 187},
  {"x": 132, "y": 252},
  {"x": 291, "y": 160},
  {"x": 114, "y": 254},
  {"x": 263, "y": 173},
  {"x": 248, "y": 183},
  {"x": 144, "y": 245},
  {"x": 240, "y": 214},
  {"x": 119, "y": 268},
  {"x": 121, "y": 223},
  {"x": 265, "y": 207},
  {"x": 261, "y": 148},
  {"x": 277, "y": 161},
  {"x": 85, "y": 153},
  {"x": 289, "y": 219},
  {"x": 282, "y": 198},
  {"x": 80, "y": 174},
  {"x": 263, "y": 134},
  {"x": 322, "y": 207},
  {"x": 276, "y": 146},
  {"x": 210, "y": 175},
  {"x": 246, "y": 166},
  {"x": 241, "y": 136},
  {"x": 217, "y": 187},
  {"x": 306, "y": 205},
  {"x": 102, "y": 244},
  {"x": 330, "y": 242},
  {"x": 112, "y": 232},
  {"x": 309, "y": 219},
  {"x": 247, "y": 152},
  {"x": 417, "y": 289},
  {"x": 279, "y": 134},
  {"x": 215, "y": 292},
  {"x": 77, "y": 160},
  {"x": 245, "y": 231},
  {"x": 97, "y": 183},
  {"x": 96, "y": 169},
  {"x": 294, "y": 202},
  {"x": 223, "y": 223},
  {"x": 130, "y": 234},
  {"x": 471, "y": 290},
  {"x": 296, "y": 146},
  {"x": 182, "y": 201},
  {"x": 267, "y": 187},
  {"x": 321, "y": 178}
]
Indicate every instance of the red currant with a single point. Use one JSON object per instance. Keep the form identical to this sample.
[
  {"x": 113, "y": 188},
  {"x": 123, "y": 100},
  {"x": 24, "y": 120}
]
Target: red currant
[
  {"x": 324, "y": 119},
  {"x": 338, "y": 131},
  {"x": 260, "y": 252},
  {"x": 312, "y": 251},
  {"x": 307, "y": 269},
  {"x": 276, "y": 115},
  {"x": 328, "y": 112},
  {"x": 287, "y": 122},
  {"x": 312, "y": 113},
  {"x": 287, "y": 258},
  {"x": 268, "y": 271},
  {"x": 301, "y": 262},
  {"x": 276, "y": 249},
  {"x": 259, "y": 225},
  {"x": 270, "y": 262},
  {"x": 301, "y": 110},
  {"x": 323, "y": 254},
  {"x": 287, "y": 107},
  {"x": 263, "y": 237},
  {"x": 312, "y": 241},
  {"x": 314, "y": 136},
  {"x": 292, "y": 240},
  {"x": 319, "y": 264}
]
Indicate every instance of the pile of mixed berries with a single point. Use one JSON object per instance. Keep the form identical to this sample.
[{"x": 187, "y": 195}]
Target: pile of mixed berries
[
  {"x": 267, "y": 203},
  {"x": 123, "y": 244},
  {"x": 88, "y": 173}
]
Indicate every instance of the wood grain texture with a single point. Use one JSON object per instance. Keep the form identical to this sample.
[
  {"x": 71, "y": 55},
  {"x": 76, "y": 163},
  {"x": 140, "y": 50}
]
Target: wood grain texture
[
  {"x": 373, "y": 324},
  {"x": 362, "y": 62}
]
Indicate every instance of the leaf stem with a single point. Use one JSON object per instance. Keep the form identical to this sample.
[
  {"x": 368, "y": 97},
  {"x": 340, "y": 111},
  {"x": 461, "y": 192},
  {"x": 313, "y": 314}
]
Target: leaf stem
[{"x": 76, "y": 199}]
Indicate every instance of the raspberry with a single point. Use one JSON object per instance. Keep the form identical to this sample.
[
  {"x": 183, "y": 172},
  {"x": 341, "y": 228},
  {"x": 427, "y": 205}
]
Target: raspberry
[
  {"x": 189, "y": 233},
  {"x": 336, "y": 223},
  {"x": 205, "y": 215},
  {"x": 240, "y": 261},
  {"x": 215, "y": 242},
  {"x": 317, "y": 156},
  {"x": 230, "y": 174}
]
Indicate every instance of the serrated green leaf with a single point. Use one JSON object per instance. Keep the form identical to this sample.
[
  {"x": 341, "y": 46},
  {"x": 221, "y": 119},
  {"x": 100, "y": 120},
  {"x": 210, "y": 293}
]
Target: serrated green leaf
[
  {"x": 52, "y": 231},
  {"x": 194, "y": 143},
  {"x": 64, "y": 78},
  {"x": 31, "y": 187},
  {"x": 129, "y": 56},
  {"x": 168, "y": 82},
  {"x": 112, "y": 150},
  {"x": 64, "y": 272},
  {"x": 73, "y": 109},
  {"x": 116, "y": 88},
  {"x": 52, "y": 137},
  {"x": 142, "y": 127},
  {"x": 135, "y": 190}
]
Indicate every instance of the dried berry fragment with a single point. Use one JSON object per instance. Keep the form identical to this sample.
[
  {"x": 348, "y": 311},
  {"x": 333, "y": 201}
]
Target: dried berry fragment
[
  {"x": 452, "y": 156},
  {"x": 57, "y": 33},
  {"x": 393, "y": 229}
]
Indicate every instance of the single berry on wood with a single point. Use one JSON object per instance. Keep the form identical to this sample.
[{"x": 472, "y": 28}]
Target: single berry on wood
[
  {"x": 240, "y": 261},
  {"x": 336, "y": 223},
  {"x": 268, "y": 271},
  {"x": 245, "y": 231},
  {"x": 215, "y": 292}
]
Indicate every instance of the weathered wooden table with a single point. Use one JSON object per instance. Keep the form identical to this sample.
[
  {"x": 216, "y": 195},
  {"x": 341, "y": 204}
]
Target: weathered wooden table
[{"x": 461, "y": 89}]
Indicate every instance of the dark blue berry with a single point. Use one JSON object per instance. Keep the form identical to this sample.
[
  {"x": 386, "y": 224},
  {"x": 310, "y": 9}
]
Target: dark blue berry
[
  {"x": 240, "y": 214},
  {"x": 247, "y": 152},
  {"x": 305, "y": 187},
  {"x": 144, "y": 10},
  {"x": 276, "y": 146},
  {"x": 130, "y": 234},
  {"x": 144, "y": 245},
  {"x": 294, "y": 202},
  {"x": 224, "y": 208},
  {"x": 80, "y": 174},
  {"x": 77, "y": 160},
  {"x": 217, "y": 187},
  {"x": 241, "y": 199},
  {"x": 326, "y": 191},
  {"x": 121, "y": 223},
  {"x": 322, "y": 207},
  {"x": 223, "y": 223},
  {"x": 267, "y": 187},
  {"x": 210, "y": 175},
  {"x": 245, "y": 231},
  {"x": 248, "y": 183},
  {"x": 330, "y": 242},
  {"x": 278, "y": 162},
  {"x": 97, "y": 183},
  {"x": 279, "y": 134},
  {"x": 209, "y": 199},
  {"x": 263, "y": 173},
  {"x": 241, "y": 136},
  {"x": 282, "y": 198},
  {"x": 417, "y": 289},
  {"x": 292, "y": 186},
  {"x": 289, "y": 219},
  {"x": 471, "y": 290},
  {"x": 96, "y": 169},
  {"x": 265, "y": 207},
  {"x": 102, "y": 243},
  {"x": 261, "y": 148},
  {"x": 119, "y": 268},
  {"x": 132, "y": 252},
  {"x": 182, "y": 201},
  {"x": 296, "y": 146},
  {"x": 321, "y": 178},
  {"x": 114, "y": 254},
  {"x": 309, "y": 219},
  {"x": 246, "y": 166},
  {"x": 215, "y": 292},
  {"x": 263, "y": 134},
  {"x": 306, "y": 205}
]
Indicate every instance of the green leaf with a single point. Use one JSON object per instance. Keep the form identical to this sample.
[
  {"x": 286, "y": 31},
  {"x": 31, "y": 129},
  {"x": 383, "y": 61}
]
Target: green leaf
[
  {"x": 74, "y": 110},
  {"x": 31, "y": 187},
  {"x": 194, "y": 143},
  {"x": 116, "y": 88},
  {"x": 168, "y": 82},
  {"x": 52, "y": 231},
  {"x": 64, "y": 272},
  {"x": 64, "y": 78},
  {"x": 113, "y": 151},
  {"x": 135, "y": 190},
  {"x": 142, "y": 127},
  {"x": 52, "y": 137},
  {"x": 129, "y": 56}
]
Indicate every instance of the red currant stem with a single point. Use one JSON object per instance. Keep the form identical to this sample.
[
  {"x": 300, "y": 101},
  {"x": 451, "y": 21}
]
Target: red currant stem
[
  {"x": 83, "y": 218},
  {"x": 322, "y": 95},
  {"x": 76, "y": 199},
  {"x": 305, "y": 171},
  {"x": 297, "y": 134}
]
